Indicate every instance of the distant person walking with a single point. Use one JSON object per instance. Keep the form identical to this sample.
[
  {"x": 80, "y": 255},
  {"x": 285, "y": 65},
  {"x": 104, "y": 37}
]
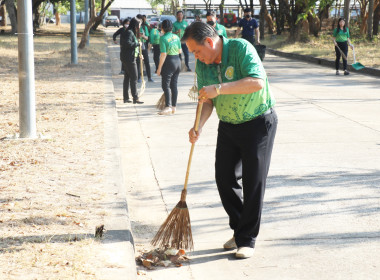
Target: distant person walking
[
  {"x": 117, "y": 33},
  {"x": 129, "y": 46},
  {"x": 169, "y": 66},
  {"x": 250, "y": 28},
  {"x": 144, "y": 37},
  {"x": 154, "y": 40},
  {"x": 341, "y": 36},
  {"x": 211, "y": 20},
  {"x": 179, "y": 28}
]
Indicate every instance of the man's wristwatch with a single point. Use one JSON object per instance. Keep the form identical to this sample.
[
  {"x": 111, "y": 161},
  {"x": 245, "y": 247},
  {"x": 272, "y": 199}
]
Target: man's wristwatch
[{"x": 218, "y": 87}]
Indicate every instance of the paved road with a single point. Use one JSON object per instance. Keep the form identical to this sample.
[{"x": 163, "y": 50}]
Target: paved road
[{"x": 322, "y": 205}]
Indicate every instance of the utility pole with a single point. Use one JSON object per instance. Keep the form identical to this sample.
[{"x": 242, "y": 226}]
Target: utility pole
[
  {"x": 86, "y": 6},
  {"x": 73, "y": 30},
  {"x": 27, "y": 98}
]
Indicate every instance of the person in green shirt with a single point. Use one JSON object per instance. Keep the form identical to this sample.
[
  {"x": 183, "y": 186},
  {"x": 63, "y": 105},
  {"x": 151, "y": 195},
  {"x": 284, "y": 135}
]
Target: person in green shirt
[
  {"x": 179, "y": 28},
  {"x": 154, "y": 40},
  {"x": 232, "y": 79},
  {"x": 341, "y": 36},
  {"x": 144, "y": 37},
  {"x": 211, "y": 19},
  {"x": 169, "y": 66}
]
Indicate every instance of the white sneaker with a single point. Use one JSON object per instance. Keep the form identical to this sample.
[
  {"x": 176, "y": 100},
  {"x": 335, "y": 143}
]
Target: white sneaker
[
  {"x": 230, "y": 244},
  {"x": 173, "y": 110},
  {"x": 244, "y": 252},
  {"x": 166, "y": 111}
]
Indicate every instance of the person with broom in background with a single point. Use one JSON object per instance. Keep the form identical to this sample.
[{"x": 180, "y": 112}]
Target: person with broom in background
[
  {"x": 144, "y": 37},
  {"x": 341, "y": 36},
  {"x": 169, "y": 66},
  {"x": 117, "y": 33},
  {"x": 232, "y": 79},
  {"x": 154, "y": 40}
]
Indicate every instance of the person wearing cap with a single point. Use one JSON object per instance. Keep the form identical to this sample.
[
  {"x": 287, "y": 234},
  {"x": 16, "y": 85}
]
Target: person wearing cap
[
  {"x": 250, "y": 28},
  {"x": 211, "y": 20},
  {"x": 232, "y": 79},
  {"x": 179, "y": 28},
  {"x": 169, "y": 66}
]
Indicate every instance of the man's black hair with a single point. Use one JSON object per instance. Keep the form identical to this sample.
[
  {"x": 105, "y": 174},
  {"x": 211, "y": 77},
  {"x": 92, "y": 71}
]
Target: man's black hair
[
  {"x": 179, "y": 12},
  {"x": 139, "y": 16},
  {"x": 167, "y": 25},
  {"x": 199, "y": 31},
  {"x": 212, "y": 13},
  {"x": 247, "y": 10}
]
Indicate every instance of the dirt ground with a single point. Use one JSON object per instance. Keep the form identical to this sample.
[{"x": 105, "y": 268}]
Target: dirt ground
[{"x": 51, "y": 189}]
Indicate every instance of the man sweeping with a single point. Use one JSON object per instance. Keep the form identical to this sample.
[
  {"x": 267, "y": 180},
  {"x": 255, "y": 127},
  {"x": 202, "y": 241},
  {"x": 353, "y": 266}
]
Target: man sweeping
[{"x": 232, "y": 79}]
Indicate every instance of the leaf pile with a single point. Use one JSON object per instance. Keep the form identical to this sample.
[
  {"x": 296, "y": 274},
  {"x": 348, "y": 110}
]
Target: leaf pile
[{"x": 162, "y": 257}]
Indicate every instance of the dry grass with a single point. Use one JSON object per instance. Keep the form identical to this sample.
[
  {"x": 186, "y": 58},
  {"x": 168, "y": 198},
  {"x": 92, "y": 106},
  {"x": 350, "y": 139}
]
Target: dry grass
[
  {"x": 46, "y": 232},
  {"x": 366, "y": 52}
]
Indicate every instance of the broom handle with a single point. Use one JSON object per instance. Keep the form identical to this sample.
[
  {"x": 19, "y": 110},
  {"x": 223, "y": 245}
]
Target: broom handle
[
  {"x": 196, "y": 126},
  {"x": 353, "y": 52},
  {"x": 342, "y": 53},
  {"x": 141, "y": 65}
]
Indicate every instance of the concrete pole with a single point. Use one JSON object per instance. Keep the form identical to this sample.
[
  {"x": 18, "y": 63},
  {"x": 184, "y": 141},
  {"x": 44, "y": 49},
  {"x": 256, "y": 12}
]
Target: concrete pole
[
  {"x": 27, "y": 98},
  {"x": 73, "y": 29},
  {"x": 86, "y": 7}
]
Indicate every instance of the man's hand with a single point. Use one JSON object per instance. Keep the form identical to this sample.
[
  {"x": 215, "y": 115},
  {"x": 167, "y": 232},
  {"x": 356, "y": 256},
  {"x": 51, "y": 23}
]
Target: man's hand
[
  {"x": 158, "y": 72},
  {"x": 193, "y": 135},
  {"x": 207, "y": 92}
]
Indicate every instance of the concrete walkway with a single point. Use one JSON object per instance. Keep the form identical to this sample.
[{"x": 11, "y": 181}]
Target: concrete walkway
[{"x": 322, "y": 205}]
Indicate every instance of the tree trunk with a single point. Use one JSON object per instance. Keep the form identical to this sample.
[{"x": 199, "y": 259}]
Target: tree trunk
[
  {"x": 370, "y": 20},
  {"x": 57, "y": 18},
  {"x": 10, "y": 4},
  {"x": 221, "y": 12},
  {"x": 346, "y": 12},
  {"x": 376, "y": 19},
  {"x": 90, "y": 23},
  {"x": 265, "y": 17},
  {"x": 3, "y": 15},
  {"x": 314, "y": 24},
  {"x": 100, "y": 16}
]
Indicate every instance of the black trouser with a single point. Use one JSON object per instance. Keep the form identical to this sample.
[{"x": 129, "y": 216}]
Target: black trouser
[
  {"x": 146, "y": 62},
  {"x": 156, "y": 55},
  {"x": 344, "y": 48},
  {"x": 185, "y": 51},
  {"x": 250, "y": 39},
  {"x": 244, "y": 151},
  {"x": 170, "y": 72},
  {"x": 130, "y": 78}
]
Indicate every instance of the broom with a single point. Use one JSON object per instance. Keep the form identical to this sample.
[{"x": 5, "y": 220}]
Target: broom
[
  {"x": 142, "y": 89},
  {"x": 193, "y": 92},
  {"x": 176, "y": 230},
  {"x": 160, "y": 105}
]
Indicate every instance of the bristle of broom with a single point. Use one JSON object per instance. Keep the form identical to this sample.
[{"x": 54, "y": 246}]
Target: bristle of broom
[
  {"x": 175, "y": 232},
  {"x": 160, "y": 105}
]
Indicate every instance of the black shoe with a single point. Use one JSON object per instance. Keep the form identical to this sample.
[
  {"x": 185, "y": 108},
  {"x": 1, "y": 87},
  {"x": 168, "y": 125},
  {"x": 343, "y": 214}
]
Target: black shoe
[
  {"x": 136, "y": 101},
  {"x": 128, "y": 101},
  {"x": 150, "y": 80},
  {"x": 346, "y": 73},
  {"x": 188, "y": 69}
]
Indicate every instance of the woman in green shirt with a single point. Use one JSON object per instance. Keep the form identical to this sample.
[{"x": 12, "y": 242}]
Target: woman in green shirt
[
  {"x": 169, "y": 66},
  {"x": 341, "y": 38}
]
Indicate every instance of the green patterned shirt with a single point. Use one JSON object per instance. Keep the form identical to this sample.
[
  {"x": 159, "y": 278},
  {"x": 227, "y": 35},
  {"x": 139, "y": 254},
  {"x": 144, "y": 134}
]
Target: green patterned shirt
[
  {"x": 239, "y": 60},
  {"x": 154, "y": 36},
  {"x": 340, "y": 35},
  {"x": 170, "y": 44},
  {"x": 181, "y": 26}
]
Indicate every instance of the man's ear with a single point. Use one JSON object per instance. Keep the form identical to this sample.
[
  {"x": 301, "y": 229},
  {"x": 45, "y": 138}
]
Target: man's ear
[{"x": 210, "y": 42}]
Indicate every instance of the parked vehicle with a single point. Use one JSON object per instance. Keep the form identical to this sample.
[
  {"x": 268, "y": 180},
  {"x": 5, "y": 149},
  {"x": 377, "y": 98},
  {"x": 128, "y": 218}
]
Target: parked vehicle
[
  {"x": 112, "y": 21},
  {"x": 230, "y": 20},
  {"x": 154, "y": 21},
  {"x": 169, "y": 17}
]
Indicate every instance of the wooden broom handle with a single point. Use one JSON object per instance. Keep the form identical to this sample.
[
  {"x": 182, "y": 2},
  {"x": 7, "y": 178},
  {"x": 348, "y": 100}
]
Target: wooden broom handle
[
  {"x": 196, "y": 126},
  {"x": 141, "y": 64}
]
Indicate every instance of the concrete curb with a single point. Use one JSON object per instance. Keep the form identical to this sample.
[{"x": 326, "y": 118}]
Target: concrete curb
[
  {"x": 118, "y": 241},
  {"x": 323, "y": 62}
]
